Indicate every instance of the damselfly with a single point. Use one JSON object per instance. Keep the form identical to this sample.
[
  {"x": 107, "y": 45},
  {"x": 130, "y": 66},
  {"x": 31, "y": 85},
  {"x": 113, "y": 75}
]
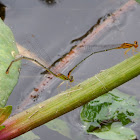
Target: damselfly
[
  {"x": 69, "y": 77},
  {"x": 127, "y": 46}
]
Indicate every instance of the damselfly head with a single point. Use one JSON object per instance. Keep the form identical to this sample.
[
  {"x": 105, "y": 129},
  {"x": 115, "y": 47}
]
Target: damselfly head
[
  {"x": 71, "y": 78},
  {"x": 136, "y": 44}
]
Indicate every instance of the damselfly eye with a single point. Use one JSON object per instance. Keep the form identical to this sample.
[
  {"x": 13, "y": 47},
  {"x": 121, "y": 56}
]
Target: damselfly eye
[{"x": 135, "y": 42}]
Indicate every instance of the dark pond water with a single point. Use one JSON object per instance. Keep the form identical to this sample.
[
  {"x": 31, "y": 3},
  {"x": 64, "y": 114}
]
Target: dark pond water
[{"x": 48, "y": 27}]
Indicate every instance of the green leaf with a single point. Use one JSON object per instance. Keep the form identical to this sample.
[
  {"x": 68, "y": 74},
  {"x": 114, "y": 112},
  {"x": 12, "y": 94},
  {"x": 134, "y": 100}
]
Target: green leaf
[
  {"x": 109, "y": 108},
  {"x": 59, "y": 126},
  {"x": 2, "y": 127},
  {"x": 4, "y": 114},
  {"x": 138, "y": 1},
  {"x": 115, "y": 132},
  {"x": 8, "y": 51},
  {"x": 28, "y": 136}
]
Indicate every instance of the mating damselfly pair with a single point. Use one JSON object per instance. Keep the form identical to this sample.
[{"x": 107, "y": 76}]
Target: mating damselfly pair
[{"x": 68, "y": 77}]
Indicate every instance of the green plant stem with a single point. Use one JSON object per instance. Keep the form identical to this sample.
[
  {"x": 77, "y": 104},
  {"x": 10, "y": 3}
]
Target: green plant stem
[{"x": 72, "y": 98}]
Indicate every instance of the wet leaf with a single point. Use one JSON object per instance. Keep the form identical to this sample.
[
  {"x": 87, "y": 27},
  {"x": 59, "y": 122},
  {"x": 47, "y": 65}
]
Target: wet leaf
[
  {"x": 28, "y": 136},
  {"x": 109, "y": 108},
  {"x": 4, "y": 114},
  {"x": 8, "y": 51},
  {"x": 138, "y": 1},
  {"x": 115, "y": 131},
  {"x": 59, "y": 126}
]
